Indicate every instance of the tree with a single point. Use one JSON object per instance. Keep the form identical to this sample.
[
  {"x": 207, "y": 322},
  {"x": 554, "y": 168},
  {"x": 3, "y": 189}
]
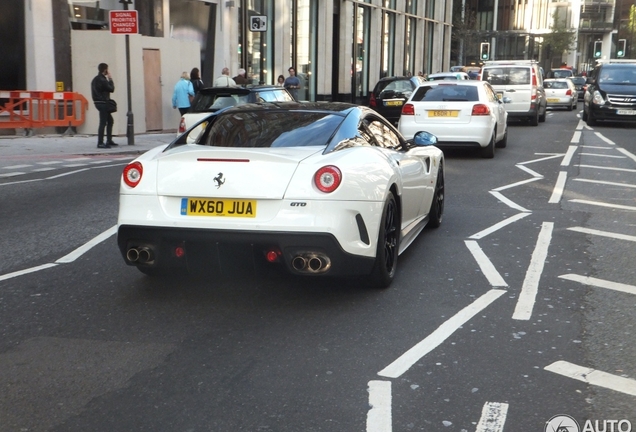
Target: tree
[
  {"x": 464, "y": 36},
  {"x": 559, "y": 40}
]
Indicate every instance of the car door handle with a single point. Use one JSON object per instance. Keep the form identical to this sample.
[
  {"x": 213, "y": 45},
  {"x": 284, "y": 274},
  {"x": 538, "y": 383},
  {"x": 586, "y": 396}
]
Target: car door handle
[{"x": 511, "y": 91}]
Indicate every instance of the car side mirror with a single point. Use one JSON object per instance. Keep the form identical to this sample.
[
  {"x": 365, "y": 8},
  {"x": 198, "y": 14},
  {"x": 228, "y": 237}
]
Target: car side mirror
[
  {"x": 423, "y": 139},
  {"x": 506, "y": 100}
]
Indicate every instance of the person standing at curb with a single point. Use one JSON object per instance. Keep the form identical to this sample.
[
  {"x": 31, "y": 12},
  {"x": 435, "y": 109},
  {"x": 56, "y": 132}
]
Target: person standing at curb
[
  {"x": 183, "y": 94},
  {"x": 292, "y": 83},
  {"x": 224, "y": 80},
  {"x": 195, "y": 79},
  {"x": 101, "y": 88},
  {"x": 241, "y": 79}
]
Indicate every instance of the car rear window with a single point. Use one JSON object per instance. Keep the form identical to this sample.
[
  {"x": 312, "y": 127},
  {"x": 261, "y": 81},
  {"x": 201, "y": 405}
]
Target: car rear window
[
  {"x": 561, "y": 73},
  {"x": 555, "y": 84},
  {"x": 217, "y": 101},
  {"x": 507, "y": 75},
  {"x": 273, "y": 129},
  {"x": 446, "y": 93},
  {"x": 397, "y": 88}
]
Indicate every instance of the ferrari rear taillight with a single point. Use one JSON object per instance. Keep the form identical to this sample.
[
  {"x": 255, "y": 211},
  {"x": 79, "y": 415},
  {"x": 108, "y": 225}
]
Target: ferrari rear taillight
[
  {"x": 408, "y": 109},
  {"x": 182, "y": 125},
  {"x": 132, "y": 174},
  {"x": 480, "y": 109},
  {"x": 328, "y": 178},
  {"x": 372, "y": 101}
]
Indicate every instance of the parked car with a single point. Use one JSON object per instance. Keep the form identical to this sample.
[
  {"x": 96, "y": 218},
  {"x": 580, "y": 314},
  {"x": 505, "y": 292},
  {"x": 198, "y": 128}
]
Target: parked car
[
  {"x": 611, "y": 92},
  {"x": 560, "y": 93},
  {"x": 320, "y": 188},
  {"x": 580, "y": 85},
  {"x": 212, "y": 99},
  {"x": 522, "y": 82},
  {"x": 448, "y": 76},
  {"x": 390, "y": 93},
  {"x": 459, "y": 113}
]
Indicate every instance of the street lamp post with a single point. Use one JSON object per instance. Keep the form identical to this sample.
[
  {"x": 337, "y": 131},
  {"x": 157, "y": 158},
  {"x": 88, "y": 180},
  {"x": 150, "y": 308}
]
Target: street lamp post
[{"x": 130, "y": 125}]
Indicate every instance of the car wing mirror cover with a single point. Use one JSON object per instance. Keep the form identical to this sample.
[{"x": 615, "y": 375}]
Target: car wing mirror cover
[
  {"x": 423, "y": 139},
  {"x": 506, "y": 99}
]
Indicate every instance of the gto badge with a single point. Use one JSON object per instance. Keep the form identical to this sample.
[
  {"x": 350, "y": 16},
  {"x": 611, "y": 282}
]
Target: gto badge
[{"x": 219, "y": 180}]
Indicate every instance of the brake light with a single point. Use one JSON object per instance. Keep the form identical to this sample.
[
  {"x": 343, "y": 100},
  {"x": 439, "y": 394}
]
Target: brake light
[
  {"x": 534, "y": 78},
  {"x": 372, "y": 102},
  {"x": 569, "y": 92},
  {"x": 328, "y": 178},
  {"x": 182, "y": 125},
  {"x": 408, "y": 109},
  {"x": 533, "y": 94},
  {"x": 480, "y": 109},
  {"x": 132, "y": 174}
]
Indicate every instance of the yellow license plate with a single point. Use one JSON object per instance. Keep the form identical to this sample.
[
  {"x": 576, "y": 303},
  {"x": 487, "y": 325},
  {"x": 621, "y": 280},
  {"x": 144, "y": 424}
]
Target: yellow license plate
[
  {"x": 394, "y": 103},
  {"x": 443, "y": 113},
  {"x": 553, "y": 100},
  {"x": 218, "y": 207}
]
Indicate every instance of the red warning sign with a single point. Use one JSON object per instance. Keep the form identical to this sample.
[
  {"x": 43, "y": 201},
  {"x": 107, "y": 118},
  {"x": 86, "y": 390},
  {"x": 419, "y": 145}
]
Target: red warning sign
[{"x": 124, "y": 22}]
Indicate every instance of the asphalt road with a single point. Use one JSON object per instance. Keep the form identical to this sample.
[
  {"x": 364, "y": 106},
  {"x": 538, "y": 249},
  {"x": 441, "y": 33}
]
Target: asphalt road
[{"x": 484, "y": 329}]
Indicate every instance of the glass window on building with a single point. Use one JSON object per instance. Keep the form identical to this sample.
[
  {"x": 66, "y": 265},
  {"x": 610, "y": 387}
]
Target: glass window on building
[
  {"x": 255, "y": 46},
  {"x": 409, "y": 49},
  {"x": 388, "y": 44},
  {"x": 430, "y": 9},
  {"x": 361, "y": 48},
  {"x": 304, "y": 29},
  {"x": 411, "y": 7}
]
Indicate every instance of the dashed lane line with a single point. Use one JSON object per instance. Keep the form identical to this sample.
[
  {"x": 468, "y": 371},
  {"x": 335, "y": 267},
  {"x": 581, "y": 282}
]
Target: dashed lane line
[
  {"x": 508, "y": 202},
  {"x": 608, "y": 168},
  {"x": 493, "y": 417},
  {"x": 603, "y": 155},
  {"x": 16, "y": 167},
  {"x": 576, "y": 137},
  {"x": 567, "y": 159},
  {"x": 593, "y": 377},
  {"x": 603, "y": 204},
  {"x": 609, "y": 183},
  {"x": 498, "y": 226},
  {"x": 609, "y": 234},
  {"x": 486, "y": 266},
  {"x": 559, "y": 187},
  {"x": 530, "y": 287},
  {"x": 413, "y": 355},
  {"x": 379, "y": 417},
  {"x": 600, "y": 283}
]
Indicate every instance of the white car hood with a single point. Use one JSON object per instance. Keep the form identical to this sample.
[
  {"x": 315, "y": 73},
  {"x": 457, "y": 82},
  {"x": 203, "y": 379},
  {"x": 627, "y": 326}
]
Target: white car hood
[{"x": 250, "y": 173}]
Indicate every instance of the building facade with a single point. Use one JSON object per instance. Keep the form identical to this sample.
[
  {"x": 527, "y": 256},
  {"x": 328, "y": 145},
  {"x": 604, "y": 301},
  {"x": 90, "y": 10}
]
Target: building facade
[{"x": 339, "y": 48}]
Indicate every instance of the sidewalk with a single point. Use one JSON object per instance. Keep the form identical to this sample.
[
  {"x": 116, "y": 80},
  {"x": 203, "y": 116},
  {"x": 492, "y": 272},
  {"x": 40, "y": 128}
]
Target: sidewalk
[{"x": 14, "y": 146}]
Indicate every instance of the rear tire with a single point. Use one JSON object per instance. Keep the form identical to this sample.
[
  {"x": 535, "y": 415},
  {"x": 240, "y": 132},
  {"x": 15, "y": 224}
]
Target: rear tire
[
  {"x": 388, "y": 245},
  {"x": 534, "y": 121},
  {"x": 488, "y": 152},
  {"x": 436, "y": 212}
]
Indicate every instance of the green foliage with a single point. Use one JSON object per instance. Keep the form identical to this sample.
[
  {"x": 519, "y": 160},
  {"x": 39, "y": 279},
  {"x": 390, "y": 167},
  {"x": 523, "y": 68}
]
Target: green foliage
[{"x": 560, "y": 38}]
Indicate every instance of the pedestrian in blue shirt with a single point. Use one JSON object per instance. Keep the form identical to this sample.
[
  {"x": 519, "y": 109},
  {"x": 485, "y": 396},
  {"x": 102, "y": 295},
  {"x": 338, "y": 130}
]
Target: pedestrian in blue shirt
[
  {"x": 183, "y": 93},
  {"x": 292, "y": 83}
]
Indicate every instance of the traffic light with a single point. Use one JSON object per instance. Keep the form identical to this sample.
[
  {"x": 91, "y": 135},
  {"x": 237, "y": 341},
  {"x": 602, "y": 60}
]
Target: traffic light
[
  {"x": 620, "y": 50},
  {"x": 598, "y": 49},
  {"x": 484, "y": 51}
]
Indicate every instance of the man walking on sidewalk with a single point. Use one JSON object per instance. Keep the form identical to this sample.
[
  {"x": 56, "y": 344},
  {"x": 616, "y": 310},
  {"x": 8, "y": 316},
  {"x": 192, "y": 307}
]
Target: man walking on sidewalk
[{"x": 101, "y": 88}]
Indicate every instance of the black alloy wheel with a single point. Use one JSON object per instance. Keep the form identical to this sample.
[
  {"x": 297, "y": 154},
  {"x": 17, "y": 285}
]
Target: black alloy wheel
[
  {"x": 436, "y": 212},
  {"x": 388, "y": 245}
]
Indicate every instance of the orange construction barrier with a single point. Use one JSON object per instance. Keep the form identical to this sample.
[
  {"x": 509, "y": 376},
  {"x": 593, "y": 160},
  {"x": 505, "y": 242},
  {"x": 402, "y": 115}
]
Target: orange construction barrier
[{"x": 40, "y": 109}]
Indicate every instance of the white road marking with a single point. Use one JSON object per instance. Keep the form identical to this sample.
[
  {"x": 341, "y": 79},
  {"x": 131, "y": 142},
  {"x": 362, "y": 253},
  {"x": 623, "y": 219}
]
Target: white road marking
[
  {"x": 597, "y": 147},
  {"x": 493, "y": 417},
  {"x": 529, "y": 171},
  {"x": 608, "y": 168},
  {"x": 379, "y": 414},
  {"x": 508, "y": 202},
  {"x": 607, "y": 140},
  {"x": 604, "y": 233},
  {"x": 486, "y": 266},
  {"x": 627, "y": 153},
  {"x": 87, "y": 246},
  {"x": 600, "y": 283},
  {"x": 557, "y": 192},
  {"x": 498, "y": 226},
  {"x": 68, "y": 173},
  {"x": 100, "y": 161},
  {"x": 49, "y": 162},
  {"x": 602, "y": 204},
  {"x": 594, "y": 377},
  {"x": 606, "y": 183},
  {"x": 74, "y": 165},
  {"x": 603, "y": 155},
  {"x": 581, "y": 125},
  {"x": 567, "y": 159},
  {"x": 552, "y": 156},
  {"x": 44, "y": 169},
  {"x": 77, "y": 159},
  {"x": 26, "y": 271},
  {"x": 16, "y": 166},
  {"x": 20, "y": 182},
  {"x": 576, "y": 137},
  {"x": 409, "y": 358},
  {"x": 519, "y": 183},
  {"x": 530, "y": 287},
  {"x": 12, "y": 174}
]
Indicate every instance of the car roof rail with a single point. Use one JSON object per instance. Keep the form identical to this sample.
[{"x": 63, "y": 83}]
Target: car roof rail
[{"x": 511, "y": 62}]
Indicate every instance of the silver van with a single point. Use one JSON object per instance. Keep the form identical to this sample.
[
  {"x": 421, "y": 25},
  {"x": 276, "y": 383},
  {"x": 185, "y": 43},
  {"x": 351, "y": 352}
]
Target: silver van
[{"x": 522, "y": 82}]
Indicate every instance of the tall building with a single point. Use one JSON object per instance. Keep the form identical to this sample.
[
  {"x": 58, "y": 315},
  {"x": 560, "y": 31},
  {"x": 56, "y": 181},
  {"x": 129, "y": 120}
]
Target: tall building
[{"x": 339, "y": 48}]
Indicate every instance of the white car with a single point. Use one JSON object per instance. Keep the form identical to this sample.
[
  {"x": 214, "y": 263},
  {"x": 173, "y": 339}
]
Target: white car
[
  {"x": 327, "y": 189},
  {"x": 448, "y": 76},
  {"x": 560, "y": 93},
  {"x": 459, "y": 113}
]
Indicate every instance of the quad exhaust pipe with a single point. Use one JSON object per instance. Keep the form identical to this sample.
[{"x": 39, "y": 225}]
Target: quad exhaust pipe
[
  {"x": 311, "y": 263},
  {"x": 141, "y": 255}
]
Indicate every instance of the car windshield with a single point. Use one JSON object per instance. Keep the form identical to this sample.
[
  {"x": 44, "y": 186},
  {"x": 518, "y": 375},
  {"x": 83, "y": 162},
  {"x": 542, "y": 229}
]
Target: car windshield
[
  {"x": 618, "y": 76},
  {"x": 273, "y": 128},
  {"x": 446, "y": 93},
  {"x": 555, "y": 84},
  {"x": 507, "y": 75}
]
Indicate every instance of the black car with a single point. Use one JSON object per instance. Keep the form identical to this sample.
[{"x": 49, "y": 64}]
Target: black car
[
  {"x": 212, "y": 99},
  {"x": 579, "y": 84},
  {"x": 390, "y": 93},
  {"x": 611, "y": 92}
]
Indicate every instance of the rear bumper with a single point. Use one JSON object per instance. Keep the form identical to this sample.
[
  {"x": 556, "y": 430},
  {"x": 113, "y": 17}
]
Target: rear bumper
[
  {"x": 456, "y": 135},
  {"x": 204, "y": 246}
]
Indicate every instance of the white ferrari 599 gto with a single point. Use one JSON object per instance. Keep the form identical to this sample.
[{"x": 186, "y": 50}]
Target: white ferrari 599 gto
[{"x": 320, "y": 188}]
